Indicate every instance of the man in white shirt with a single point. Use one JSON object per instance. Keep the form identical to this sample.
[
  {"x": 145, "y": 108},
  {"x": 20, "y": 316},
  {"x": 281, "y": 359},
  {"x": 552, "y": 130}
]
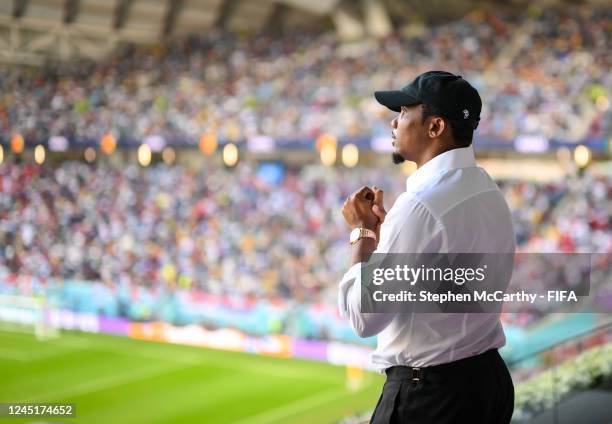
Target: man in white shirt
[{"x": 441, "y": 367}]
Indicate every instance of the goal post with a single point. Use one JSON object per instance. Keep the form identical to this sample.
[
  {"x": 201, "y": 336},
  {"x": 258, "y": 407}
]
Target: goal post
[{"x": 26, "y": 314}]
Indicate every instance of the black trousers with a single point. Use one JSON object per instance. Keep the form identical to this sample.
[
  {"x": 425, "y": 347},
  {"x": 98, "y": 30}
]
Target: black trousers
[{"x": 474, "y": 390}]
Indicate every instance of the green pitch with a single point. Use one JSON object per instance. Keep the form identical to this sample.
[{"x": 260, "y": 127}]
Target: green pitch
[{"x": 119, "y": 380}]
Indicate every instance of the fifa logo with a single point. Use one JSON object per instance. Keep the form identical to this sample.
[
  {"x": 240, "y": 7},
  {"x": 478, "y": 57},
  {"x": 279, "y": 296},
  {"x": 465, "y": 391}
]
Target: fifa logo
[{"x": 466, "y": 114}]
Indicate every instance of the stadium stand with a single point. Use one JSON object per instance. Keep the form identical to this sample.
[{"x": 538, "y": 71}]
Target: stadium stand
[
  {"x": 167, "y": 243},
  {"x": 301, "y": 85}
]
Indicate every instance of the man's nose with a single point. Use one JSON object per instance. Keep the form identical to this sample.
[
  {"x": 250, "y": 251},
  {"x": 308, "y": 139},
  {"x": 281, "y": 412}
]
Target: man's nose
[{"x": 394, "y": 123}]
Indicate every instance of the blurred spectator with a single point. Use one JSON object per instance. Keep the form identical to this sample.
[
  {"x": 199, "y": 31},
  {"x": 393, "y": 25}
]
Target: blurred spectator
[
  {"x": 547, "y": 74},
  {"x": 161, "y": 230}
]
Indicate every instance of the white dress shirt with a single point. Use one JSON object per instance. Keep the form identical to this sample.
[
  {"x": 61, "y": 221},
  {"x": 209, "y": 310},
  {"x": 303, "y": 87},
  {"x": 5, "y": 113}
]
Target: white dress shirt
[{"x": 450, "y": 206}]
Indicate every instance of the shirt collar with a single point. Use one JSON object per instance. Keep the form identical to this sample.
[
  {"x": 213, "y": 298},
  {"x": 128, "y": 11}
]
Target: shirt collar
[{"x": 451, "y": 159}]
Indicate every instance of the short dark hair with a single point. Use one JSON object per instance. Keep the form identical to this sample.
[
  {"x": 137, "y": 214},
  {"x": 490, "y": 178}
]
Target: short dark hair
[{"x": 462, "y": 133}]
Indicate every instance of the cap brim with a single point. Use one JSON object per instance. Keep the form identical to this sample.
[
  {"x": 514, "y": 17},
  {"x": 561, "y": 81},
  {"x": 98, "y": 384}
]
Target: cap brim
[{"x": 395, "y": 99}]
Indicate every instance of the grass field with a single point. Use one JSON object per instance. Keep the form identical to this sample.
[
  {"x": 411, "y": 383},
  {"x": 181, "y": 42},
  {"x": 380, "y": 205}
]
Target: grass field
[{"x": 119, "y": 380}]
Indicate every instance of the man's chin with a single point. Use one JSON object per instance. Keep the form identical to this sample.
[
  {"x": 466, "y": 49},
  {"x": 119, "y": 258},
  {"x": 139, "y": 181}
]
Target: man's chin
[{"x": 397, "y": 158}]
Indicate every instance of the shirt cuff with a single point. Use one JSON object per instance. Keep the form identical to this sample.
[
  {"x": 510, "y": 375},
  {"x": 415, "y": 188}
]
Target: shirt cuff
[{"x": 349, "y": 278}]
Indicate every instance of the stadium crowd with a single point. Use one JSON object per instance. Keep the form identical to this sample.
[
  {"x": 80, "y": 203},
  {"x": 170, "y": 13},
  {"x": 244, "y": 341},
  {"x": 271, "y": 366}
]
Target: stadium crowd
[
  {"x": 229, "y": 232},
  {"x": 547, "y": 75},
  {"x": 164, "y": 230}
]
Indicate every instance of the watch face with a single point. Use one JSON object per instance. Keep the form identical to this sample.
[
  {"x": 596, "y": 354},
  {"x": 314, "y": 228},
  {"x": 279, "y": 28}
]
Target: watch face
[{"x": 354, "y": 235}]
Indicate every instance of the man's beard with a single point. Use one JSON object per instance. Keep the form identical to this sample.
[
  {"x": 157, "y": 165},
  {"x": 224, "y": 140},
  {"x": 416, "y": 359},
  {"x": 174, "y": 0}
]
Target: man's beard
[{"x": 397, "y": 158}]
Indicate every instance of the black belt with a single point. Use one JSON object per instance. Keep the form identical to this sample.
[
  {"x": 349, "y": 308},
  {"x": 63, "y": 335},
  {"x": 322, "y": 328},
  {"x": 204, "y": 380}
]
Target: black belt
[{"x": 417, "y": 374}]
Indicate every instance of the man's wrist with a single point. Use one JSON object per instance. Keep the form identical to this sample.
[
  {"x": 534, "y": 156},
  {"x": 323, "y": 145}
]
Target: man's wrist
[
  {"x": 366, "y": 225},
  {"x": 362, "y": 249}
]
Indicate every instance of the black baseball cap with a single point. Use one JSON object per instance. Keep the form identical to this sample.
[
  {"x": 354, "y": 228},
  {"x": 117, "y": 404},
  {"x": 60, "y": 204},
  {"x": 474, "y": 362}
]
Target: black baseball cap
[{"x": 450, "y": 95}]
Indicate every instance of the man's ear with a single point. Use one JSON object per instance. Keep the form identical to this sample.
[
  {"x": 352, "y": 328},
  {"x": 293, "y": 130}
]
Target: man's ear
[{"x": 436, "y": 127}]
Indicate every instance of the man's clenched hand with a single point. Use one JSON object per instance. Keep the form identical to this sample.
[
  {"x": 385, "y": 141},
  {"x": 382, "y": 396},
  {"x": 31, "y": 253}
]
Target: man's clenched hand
[{"x": 364, "y": 209}]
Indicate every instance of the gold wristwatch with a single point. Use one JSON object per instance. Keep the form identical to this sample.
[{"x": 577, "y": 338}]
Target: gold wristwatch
[{"x": 359, "y": 233}]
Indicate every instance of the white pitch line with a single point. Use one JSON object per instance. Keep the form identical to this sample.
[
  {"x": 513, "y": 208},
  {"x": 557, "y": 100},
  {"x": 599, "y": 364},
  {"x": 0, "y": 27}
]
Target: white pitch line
[
  {"x": 71, "y": 342},
  {"x": 39, "y": 355},
  {"x": 272, "y": 415},
  {"x": 105, "y": 383},
  {"x": 13, "y": 355},
  {"x": 80, "y": 343},
  {"x": 195, "y": 359}
]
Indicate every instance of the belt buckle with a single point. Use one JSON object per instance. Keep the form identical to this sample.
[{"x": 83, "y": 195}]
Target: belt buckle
[{"x": 417, "y": 375}]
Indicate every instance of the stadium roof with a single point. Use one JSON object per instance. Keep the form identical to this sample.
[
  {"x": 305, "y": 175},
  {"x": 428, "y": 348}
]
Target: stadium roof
[{"x": 33, "y": 31}]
